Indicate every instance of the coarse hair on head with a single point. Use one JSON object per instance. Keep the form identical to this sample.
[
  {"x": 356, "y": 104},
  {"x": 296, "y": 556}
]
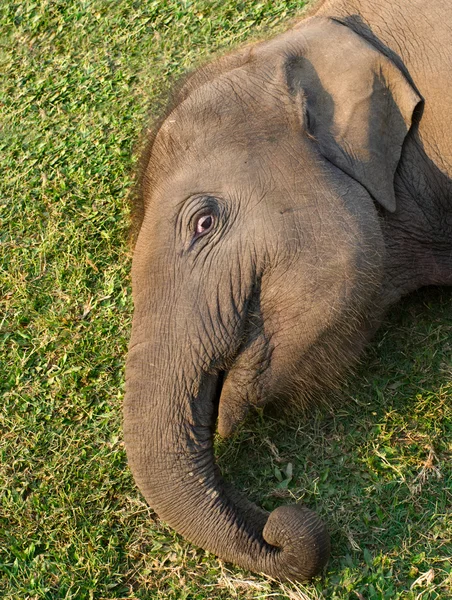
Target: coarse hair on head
[{"x": 179, "y": 91}]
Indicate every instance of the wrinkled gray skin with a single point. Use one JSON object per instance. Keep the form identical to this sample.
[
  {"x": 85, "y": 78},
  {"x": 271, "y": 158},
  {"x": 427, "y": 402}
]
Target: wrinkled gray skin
[{"x": 296, "y": 189}]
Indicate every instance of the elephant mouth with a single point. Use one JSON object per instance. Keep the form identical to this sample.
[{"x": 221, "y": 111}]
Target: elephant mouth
[{"x": 216, "y": 397}]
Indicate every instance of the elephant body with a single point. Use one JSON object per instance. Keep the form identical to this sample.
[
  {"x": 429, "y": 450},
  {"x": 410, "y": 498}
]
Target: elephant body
[{"x": 293, "y": 191}]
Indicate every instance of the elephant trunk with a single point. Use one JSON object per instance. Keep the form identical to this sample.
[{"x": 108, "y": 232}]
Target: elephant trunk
[{"x": 168, "y": 427}]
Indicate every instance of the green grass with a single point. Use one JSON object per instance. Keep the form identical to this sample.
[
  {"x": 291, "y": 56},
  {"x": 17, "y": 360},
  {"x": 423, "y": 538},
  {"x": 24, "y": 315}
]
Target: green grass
[{"x": 77, "y": 78}]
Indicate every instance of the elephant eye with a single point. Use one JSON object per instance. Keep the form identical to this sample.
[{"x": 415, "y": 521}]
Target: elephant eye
[{"x": 204, "y": 224}]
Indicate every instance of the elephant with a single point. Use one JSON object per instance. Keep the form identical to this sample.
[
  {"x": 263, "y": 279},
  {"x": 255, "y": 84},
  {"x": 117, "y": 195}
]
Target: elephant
[{"x": 293, "y": 191}]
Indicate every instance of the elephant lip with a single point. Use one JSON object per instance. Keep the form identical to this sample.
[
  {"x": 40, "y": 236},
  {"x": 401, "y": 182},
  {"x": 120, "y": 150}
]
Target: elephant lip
[{"x": 216, "y": 398}]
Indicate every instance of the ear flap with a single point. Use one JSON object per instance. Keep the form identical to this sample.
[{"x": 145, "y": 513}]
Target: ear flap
[{"x": 359, "y": 104}]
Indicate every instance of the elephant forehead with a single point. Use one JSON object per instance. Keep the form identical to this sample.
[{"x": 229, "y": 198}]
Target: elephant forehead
[
  {"x": 226, "y": 136},
  {"x": 248, "y": 105},
  {"x": 281, "y": 172}
]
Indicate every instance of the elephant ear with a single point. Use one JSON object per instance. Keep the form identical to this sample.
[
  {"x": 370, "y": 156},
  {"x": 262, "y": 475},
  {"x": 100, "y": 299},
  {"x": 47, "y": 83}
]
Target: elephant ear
[{"x": 359, "y": 104}]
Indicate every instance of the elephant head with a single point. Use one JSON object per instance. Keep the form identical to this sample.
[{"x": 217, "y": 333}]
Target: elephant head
[{"x": 257, "y": 269}]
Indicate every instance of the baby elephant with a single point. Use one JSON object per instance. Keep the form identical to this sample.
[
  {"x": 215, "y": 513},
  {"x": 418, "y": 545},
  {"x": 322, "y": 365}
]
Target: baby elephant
[{"x": 294, "y": 190}]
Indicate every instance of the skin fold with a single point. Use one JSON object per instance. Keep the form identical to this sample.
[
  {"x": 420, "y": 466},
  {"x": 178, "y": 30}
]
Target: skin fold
[{"x": 294, "y": 190}]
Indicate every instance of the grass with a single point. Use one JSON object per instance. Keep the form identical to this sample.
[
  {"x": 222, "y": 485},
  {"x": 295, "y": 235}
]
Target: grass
[{"x": 78, "y": 77}]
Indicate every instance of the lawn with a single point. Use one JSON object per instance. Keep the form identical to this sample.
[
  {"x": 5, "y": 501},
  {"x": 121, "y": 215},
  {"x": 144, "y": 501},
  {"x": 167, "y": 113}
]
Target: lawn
[{"x": 77, "y": 80}]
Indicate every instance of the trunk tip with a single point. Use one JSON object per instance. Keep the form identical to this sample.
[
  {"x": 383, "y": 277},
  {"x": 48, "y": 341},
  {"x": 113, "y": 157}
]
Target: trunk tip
[{"x": 303, "y": 541}]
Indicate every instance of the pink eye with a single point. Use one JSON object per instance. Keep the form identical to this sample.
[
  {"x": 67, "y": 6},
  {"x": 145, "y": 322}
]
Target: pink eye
[{"x": 204, "y": 225}]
